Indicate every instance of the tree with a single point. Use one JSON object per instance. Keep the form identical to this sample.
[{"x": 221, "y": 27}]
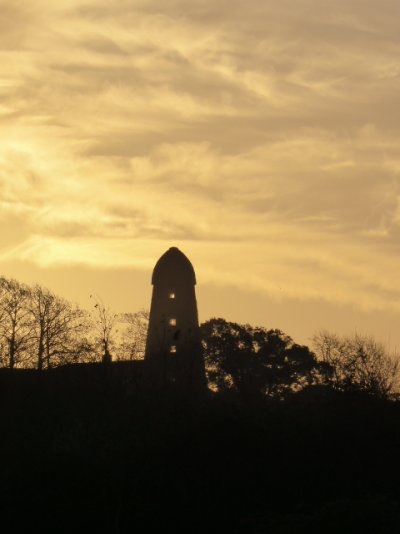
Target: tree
[
  {"x": 255, "y": 361},
  {"x": 104, "y": 323},
  {"x": 133, "y": 337},
  {"x": 358, "y": 363},
  {"x": 228, "y": 354},
  {"x": 59, "y": 329},
  {"x": 15, "y": 324}
]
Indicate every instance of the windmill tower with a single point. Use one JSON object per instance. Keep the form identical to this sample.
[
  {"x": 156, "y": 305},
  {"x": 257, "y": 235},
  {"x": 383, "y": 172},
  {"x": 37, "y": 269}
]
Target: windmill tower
[{"x": 173, "y": 348}]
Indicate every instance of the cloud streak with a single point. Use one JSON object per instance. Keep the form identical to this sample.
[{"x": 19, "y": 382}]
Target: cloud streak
[{"x": 263, "y": 140}]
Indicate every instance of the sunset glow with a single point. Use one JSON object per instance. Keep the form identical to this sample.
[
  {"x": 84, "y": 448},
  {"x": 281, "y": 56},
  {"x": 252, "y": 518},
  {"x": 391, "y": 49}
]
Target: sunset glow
[{"x": 261, "y": 139}]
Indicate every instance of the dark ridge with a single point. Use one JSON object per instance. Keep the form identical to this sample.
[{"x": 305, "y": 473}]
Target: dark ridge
[{"x": 84, "y": 451}]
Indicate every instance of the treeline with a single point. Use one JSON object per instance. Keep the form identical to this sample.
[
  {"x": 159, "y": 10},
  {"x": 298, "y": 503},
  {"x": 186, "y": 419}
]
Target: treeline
[
  {"x": 254, "y": 361},
  {"x": 294, "y": 440},
  {"x": 40, "y": 330}
]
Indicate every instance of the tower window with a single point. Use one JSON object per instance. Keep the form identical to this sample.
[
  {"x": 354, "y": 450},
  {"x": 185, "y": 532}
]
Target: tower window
[
  {"x": 172, "y": 322},
  {"x": 172, "y": 349},
  {"x": 171, "y": 294}
]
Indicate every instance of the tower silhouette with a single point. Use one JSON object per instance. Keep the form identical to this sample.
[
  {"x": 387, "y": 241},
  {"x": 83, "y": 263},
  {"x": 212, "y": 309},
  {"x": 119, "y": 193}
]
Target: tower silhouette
[{"x": 173, "y": 348}]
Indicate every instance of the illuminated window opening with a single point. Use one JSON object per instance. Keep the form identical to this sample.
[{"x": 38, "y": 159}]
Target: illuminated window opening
[
  {"x": 172, "y": 349},
  {"x": 172, "y": 322},
  {"x": 172, "y": 294}
]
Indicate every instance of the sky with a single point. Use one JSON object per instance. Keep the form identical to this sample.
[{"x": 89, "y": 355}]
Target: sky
[{"x": 260, "y": 137}]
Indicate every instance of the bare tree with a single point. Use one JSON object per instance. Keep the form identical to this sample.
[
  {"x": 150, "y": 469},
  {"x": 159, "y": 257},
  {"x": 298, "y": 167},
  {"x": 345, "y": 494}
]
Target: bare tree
[
  {"x": 358, "y": 362},
  {"x": 104, "y": 322},
  {"x": 15, "y": 324},
  {"x": 59, "y": 328},
  {"x": 133, "y": 337}
]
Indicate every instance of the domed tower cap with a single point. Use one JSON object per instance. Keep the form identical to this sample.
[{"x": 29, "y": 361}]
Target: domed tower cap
[{"x": 173, "y": 268}]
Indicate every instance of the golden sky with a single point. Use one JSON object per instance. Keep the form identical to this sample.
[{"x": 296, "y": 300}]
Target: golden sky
[{"x": 260, "y": 137}]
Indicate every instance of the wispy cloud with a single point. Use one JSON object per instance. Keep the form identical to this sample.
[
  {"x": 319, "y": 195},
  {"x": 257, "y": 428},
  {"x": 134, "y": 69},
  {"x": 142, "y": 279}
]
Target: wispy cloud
[{"x": 264, "y": 137}]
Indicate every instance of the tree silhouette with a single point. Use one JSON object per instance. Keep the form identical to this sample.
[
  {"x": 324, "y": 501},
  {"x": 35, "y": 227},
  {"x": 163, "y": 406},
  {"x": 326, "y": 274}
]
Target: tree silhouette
[
  {"x": 255, "y": 361},
  {"x": 358, "y": 363},
  {"x": 58, "y": 327},
  {"x": 104, "y": 323},
  {"x": 133, "y": 337},
  {"x": 15, "y": 322}
]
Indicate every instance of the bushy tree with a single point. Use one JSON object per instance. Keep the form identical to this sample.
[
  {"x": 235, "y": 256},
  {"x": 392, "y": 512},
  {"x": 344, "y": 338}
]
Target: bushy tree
[{"x": 255, "y": 361}]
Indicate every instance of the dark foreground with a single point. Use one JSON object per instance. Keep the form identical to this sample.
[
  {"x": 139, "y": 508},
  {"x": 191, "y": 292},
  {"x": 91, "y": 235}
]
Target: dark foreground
[{"x": 100, "y": 457}]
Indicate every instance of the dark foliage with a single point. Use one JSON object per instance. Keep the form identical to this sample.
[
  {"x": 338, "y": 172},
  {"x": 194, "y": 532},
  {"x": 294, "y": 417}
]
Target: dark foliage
[{"x": 256, "y": 361}]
